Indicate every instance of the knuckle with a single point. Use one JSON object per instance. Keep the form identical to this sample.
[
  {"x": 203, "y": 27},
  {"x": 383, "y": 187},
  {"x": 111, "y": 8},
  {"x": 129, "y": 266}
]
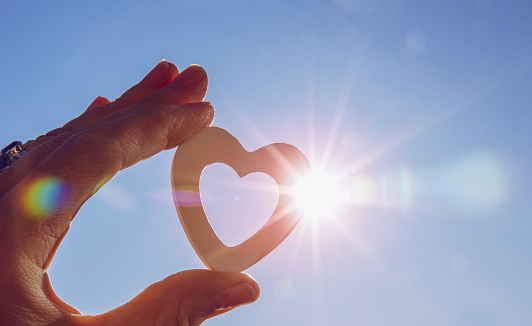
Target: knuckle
[{"x": 55, "y": 132}]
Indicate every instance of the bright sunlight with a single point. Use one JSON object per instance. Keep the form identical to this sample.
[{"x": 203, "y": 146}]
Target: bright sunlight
[{"x": 318, "y": 195}]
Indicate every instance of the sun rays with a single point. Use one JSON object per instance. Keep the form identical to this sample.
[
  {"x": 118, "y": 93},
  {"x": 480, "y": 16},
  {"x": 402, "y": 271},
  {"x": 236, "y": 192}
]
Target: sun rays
[{"x": 318, "y": 195}]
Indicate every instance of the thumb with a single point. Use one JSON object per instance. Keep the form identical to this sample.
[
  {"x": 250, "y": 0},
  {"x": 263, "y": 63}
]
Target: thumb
[{"x": 186, "y": 298}]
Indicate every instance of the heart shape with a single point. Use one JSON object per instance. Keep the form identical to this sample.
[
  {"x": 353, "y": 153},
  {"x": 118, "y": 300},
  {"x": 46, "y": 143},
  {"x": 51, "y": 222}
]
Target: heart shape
[{"x": 283, "y": 162}]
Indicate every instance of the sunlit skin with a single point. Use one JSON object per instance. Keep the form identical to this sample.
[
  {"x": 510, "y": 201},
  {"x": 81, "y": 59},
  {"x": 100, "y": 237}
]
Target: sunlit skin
[{"x": 42, "y": 192}]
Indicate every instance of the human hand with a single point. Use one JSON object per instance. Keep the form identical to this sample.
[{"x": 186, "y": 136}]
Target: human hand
[{"x": 41, "y": 193}]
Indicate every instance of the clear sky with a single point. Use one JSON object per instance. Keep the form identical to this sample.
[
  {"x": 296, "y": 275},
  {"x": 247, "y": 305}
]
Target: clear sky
[{"x": 424, "y": 108}]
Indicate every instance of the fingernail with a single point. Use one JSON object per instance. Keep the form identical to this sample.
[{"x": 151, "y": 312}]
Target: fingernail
[
  {"x": 157, "y": 72},
  {"x": 235, "y": 296},
  {"x": 189, "y": 76}
]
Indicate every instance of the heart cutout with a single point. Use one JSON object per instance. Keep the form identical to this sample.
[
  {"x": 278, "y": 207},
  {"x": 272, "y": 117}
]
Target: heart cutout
[
  {"x": 229, "y": 200},
  {"x": 283, "y": 162}
]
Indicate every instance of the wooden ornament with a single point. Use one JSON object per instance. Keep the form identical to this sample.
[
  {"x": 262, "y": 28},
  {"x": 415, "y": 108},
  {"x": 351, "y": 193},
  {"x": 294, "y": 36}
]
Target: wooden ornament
[{"x": 284, "y": 163}]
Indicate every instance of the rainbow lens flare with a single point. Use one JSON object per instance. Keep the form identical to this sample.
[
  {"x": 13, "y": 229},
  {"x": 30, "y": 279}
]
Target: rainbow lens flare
[{"x": 44, "y": 196}]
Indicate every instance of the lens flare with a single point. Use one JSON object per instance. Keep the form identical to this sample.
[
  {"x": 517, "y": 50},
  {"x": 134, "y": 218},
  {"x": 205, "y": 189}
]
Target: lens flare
[
  {"x": 318, "y": 195},
  {"x": 44, "y": 196},
  {"x": 187, "y": 196},
  {"x": 362, "y": 190},
  {"x": 101, "y": 183},
  {"x": 477, "y": 182}
]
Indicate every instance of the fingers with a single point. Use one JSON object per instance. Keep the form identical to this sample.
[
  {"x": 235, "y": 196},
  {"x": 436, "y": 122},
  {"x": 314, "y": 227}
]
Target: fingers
[
  {"x": 161, "y": 75},
  {"x": 188, "y": 87},
  {"x": 186, "y": 298},
  {"x": 55, "y": 189}
]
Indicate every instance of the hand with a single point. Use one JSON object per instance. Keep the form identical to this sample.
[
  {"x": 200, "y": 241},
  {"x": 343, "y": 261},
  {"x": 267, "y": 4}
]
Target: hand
[{"x": 41, "y": 193}]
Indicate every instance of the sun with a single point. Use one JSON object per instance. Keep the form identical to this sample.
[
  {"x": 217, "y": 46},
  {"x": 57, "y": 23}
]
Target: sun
[{"x": 318, "y": 195}]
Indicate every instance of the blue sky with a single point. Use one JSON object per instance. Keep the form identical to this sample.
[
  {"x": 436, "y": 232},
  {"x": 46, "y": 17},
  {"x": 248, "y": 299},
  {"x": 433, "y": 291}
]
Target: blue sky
[{"x": 425, "y": 107}]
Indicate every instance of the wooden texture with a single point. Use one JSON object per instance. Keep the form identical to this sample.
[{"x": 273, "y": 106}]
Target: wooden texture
[{"x": 284, "y": 163}]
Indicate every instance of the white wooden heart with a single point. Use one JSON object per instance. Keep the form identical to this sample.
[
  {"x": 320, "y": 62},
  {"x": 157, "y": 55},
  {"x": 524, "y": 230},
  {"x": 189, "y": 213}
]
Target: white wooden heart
[{"x": 283, "y": 162}]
